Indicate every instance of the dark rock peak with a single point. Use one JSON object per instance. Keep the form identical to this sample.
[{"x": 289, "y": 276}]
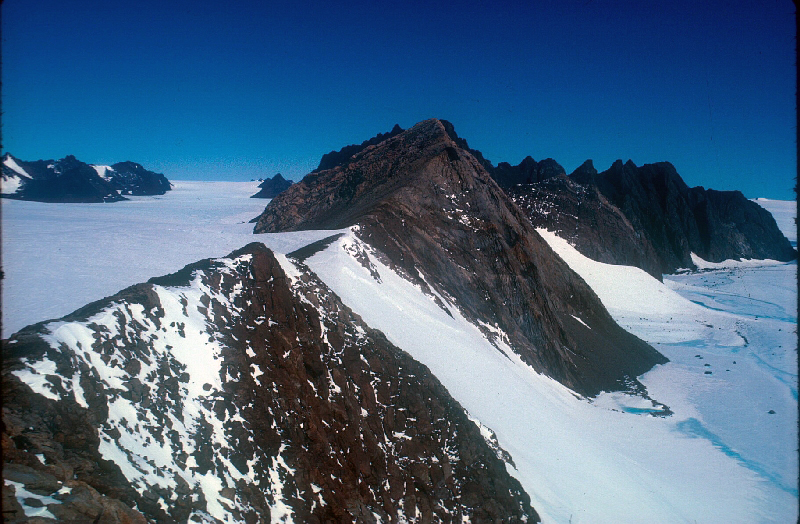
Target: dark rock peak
[
  {"x": 65, "y": 180},
  {"x": 432, "y": 209},
  {"x": 342, "y": 157},
  {"x": 131, "y": 178},
  {"x": 462, "y": 143},
  {"x": 272, "y": 187},
  {"x": 580, "y": 214},
  {"x": 528, "y": 171},
  {"x": 677, "y": 220},
  {"x": 584, "y": 171},
  {"x": 277, "y": 178},
  {"x": 69, "y": 163},
  {"x": 292, "y": 385},
  {"x": 127, "y": 166}
]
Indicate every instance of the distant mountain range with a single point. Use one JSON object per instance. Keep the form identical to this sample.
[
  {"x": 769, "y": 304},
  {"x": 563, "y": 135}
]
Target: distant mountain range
[
  {"x": 70, "y": 180},
  {"x": 244, "y": 389}
]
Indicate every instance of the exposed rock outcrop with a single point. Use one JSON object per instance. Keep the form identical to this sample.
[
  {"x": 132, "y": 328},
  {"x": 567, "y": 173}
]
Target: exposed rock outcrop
[
  {"x": 65, "y": 180},
  {"x": 238, "y": 389},
  {"x": 581, "y": 215},
  {"x": 272, "y": 187},
  {"x": 130, "y": 178},
  {"x": 677, "y": 220},
  {"x": 529, "y": 171},
  {"x": 70, "y": 180},
  {"x": 342, "y": 157},
  {"x": 431, "y": 208}
]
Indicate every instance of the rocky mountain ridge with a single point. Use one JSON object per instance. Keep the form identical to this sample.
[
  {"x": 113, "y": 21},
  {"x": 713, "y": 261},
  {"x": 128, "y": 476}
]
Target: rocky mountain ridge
[
  {"x": 583, "y": 216},
  {"x": 648, "y": 217},
  {"x": 435, "y": 213},
  {"x": 677, "y": 220},
  {"x": 70, "y": 180},
  {"x": 238, "y": 389},
  {"x": 342, "y": 156}
]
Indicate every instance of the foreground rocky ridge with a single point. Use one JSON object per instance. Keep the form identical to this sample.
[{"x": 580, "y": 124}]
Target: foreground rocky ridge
[
  {"x": 70, "y": 180},
  {"x": 238, "y": 389},
  {"x": 434, "y": 212}
]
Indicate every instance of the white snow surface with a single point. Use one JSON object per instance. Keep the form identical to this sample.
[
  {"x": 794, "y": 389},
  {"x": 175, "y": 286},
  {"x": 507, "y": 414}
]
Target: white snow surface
[
  {"x": 731, "y": 337},
  {"x": 59, "y": 257},
  {"x": 10, "y": 184},
  {"x": 102, "y": 171},
  {"x": 12, "y": 164},
  {"x": 732, "y": 263}
]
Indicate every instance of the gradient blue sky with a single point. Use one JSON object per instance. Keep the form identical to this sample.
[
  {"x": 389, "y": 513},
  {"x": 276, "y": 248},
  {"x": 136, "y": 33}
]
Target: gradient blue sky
[{"x": 241, "y": 90}]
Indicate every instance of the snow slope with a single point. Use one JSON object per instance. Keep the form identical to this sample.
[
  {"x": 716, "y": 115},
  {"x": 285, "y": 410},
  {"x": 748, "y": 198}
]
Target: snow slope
[
  {"x": 580, "y": 461},
  {"x": 10, "y": 184},
  {"x": 731, "y": 337}
]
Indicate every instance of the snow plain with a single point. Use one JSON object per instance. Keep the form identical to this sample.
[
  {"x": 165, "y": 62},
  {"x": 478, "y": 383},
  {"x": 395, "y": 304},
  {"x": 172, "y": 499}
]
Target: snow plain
[
  {"x": 720, "y": 457},
  {"x": 59, "y": 257}
]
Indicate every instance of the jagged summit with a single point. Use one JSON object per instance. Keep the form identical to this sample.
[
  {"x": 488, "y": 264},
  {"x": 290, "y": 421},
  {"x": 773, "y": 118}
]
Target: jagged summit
[
  {"x": 678, "y": 220},
  {"x": 586, "y": 169},
  {"x": 337, "y": 158},
  {"x": 529, "y": 171},
  {"x": 431, "y": 208}
]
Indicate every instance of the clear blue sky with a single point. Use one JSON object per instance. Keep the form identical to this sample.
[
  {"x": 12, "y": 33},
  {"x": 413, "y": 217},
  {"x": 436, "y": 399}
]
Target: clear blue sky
[{"x": 240, "y": 90}]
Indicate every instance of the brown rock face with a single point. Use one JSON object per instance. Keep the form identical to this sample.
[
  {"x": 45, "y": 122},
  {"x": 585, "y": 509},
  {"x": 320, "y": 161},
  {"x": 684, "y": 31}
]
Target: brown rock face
[
  {"x": 432, "y": 209},
  {"x": 299, "y": 408}
]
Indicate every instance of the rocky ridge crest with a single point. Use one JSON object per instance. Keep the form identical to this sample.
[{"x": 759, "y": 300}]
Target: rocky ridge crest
[
  {"x": 272, "y": 187},
  {"x": 238, "y": 389},
  {"x": 436, "y": 214}
]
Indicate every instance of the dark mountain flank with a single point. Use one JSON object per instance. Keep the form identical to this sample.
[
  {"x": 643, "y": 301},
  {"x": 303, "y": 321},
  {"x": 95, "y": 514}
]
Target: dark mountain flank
[
  {"x": 677, "y": 220},
  {"x": 231, "y": 391},
  {"x": 581, "y": 215},
  {"x": 342, "y": 157},
  {"x": 529, "y": 171},
  {"x": 70, "y": 180},
  {"x": 272, "y": 187},
  {"x": 65, "y": 180},
  {"x": 437, "y": 215},
  {"x": 130, "y": 178}
]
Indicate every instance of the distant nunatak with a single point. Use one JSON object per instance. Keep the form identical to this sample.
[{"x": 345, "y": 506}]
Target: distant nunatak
[{"x": 70, "y": 180}]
